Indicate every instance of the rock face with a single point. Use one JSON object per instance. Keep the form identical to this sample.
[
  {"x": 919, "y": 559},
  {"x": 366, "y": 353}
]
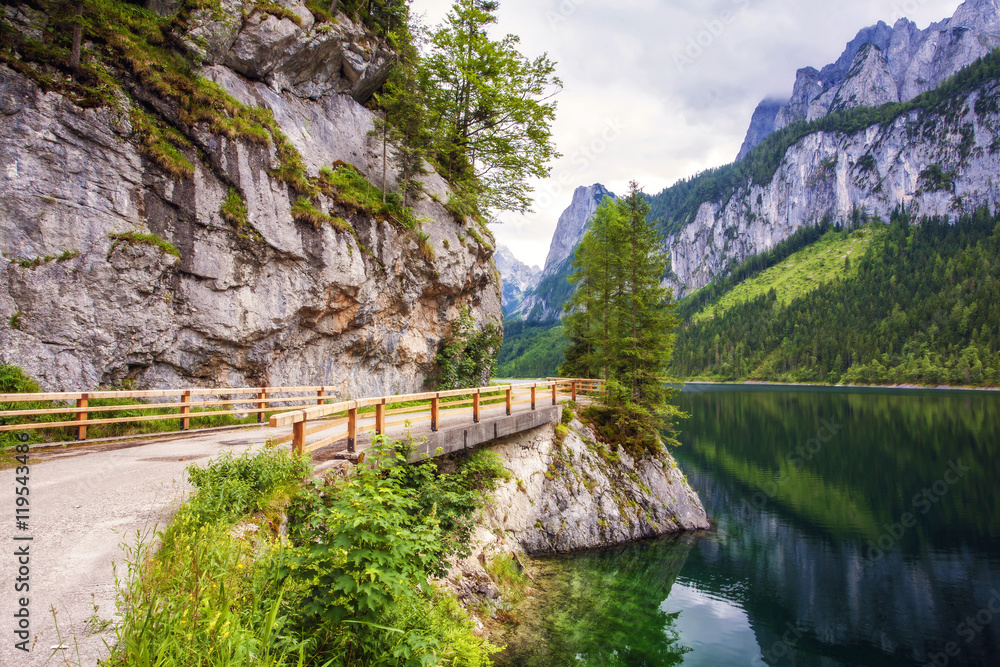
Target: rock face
[
  {"x": 830, "y": 175},
  {"x": 544, "y": 301},
  {"x": 761, "y": 124},
  {"x": 294, "y": 54},
  {"x": 567, "y": 496},
  {"x": 517, "y": 277},
  {"x": 572, "y": 223},
  {"x": 276, "y": 301},
  {"x": 915, "y": 61}
]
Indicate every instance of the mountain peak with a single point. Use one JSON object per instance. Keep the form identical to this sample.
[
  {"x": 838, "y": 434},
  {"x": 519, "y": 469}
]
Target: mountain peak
[
  {"x": 897, "y": 64},
  {"x": 573, "y": 222}
]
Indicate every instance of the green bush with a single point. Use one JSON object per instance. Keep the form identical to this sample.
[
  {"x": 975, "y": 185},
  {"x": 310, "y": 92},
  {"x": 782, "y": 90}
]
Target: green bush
[{"x": 231, "y": 486}]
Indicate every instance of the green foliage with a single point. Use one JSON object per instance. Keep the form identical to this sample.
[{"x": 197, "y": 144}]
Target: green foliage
[
  {"x": 234, "y": 209},
  {"x": 620, "y": 324},
  {"x": 364, "y": 550},
  {"x": 467, "y": 355},
  {"x": 349, "y": 187},
  {"x": 13, "y": 380},
  {"x": 530, "y": 350},
  {"x": 823, "y": 261},
  {"x": 209, "y": 597},
  {"x": 212, "y": 597},
  {"x": 913, "y": 310},
  {"x": 231, "y": 486},
  {"x": 933, "y": 179},
  {"x": 135, "y": 238},
  {"x": 677, "y": 206},
  {"x": 752, "y": 266},
  {"x": 487, "y": 107}
]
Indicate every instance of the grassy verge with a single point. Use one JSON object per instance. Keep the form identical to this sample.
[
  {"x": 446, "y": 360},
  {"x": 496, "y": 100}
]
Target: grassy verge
[{"x": 349, "y": 585}]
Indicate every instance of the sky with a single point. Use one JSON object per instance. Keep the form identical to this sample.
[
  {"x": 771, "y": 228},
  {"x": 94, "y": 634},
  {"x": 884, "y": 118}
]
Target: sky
[{"x": 658, "y": 90}]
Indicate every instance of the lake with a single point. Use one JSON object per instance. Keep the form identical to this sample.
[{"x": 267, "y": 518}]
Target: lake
[{"x": 852, "y": 527}]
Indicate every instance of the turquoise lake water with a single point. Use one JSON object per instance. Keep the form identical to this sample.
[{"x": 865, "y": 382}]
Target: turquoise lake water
[{"x": 851, "y": 527}]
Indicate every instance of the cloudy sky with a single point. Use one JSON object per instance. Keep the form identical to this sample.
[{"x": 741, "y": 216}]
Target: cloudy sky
[{"x": 657, "y": 90}]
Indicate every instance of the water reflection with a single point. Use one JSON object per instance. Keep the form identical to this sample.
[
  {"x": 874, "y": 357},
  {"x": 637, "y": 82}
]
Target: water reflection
[
  {"x": 822, "y": 546},
  {"x": 841, "y": 540},
  {"x": 603, "y": 608}
]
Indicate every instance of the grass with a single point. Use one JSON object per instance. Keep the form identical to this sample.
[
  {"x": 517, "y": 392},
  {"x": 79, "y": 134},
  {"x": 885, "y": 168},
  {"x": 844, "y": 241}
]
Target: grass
[
  {"x": 209, "y": 597},
  {"x": 802, "y": 272},
  {"x": 349, "y": 187},
  {"x": 234, "y": 209},
  {"x": 304, "y": 211},
  {"x": 152, "y": 240}
]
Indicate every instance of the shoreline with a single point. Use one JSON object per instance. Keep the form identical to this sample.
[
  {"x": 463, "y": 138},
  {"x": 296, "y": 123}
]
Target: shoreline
[{"x": 818, "y": 385}]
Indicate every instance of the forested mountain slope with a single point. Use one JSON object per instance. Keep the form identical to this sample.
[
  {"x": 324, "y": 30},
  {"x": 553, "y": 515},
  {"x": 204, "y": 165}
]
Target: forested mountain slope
[{"x": 920, "y": 308}]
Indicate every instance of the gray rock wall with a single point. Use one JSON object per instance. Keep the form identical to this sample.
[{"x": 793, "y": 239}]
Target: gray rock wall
[
  {"x": 565, "y": 496},
  {"x": 279, "y": 302},
  {"x": 829, "y": 174}
]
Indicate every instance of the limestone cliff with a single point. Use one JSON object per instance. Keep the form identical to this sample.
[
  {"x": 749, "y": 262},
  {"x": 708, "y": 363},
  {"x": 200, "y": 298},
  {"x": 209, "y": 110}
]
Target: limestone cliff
[
  {"x": 934, "y": 162},
  {"x": 910, "y": 61},
  {"x": 291, "y": 290}
]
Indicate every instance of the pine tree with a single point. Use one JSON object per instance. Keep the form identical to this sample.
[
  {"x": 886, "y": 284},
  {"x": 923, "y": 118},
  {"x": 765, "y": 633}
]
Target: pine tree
[{"x": 621, "y": 324}]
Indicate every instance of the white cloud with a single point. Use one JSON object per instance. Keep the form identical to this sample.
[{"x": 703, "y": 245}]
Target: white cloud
[{"x": 619, "y": 62}]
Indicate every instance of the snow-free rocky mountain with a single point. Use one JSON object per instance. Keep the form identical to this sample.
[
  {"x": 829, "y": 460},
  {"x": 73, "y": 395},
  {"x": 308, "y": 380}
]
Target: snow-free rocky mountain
[
  {"x": 275, "y": 301},
  {"x": 884, "y": 64},
  {"x": 516, "y": 276},
  {"x": 544, "y": 301}
]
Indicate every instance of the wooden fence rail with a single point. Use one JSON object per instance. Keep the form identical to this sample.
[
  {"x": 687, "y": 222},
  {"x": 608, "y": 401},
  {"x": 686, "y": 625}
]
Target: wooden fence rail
[
  {"x": 436, "y": 402},
  {"x": 183, "y": 405}
]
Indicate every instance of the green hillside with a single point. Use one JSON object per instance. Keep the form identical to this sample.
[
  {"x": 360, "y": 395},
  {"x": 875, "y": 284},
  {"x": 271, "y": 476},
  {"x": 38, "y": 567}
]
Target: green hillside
[
  {"x": 822, "y": 262},
  {"x": 530, "y": 350},
  {"x": 918, "y": 307}
]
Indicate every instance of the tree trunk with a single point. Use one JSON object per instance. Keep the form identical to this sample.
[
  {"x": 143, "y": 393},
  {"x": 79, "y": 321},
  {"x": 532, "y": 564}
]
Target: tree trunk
[
  {"x": 74, "y": 57},
  {"x": 333, "y": 7}
]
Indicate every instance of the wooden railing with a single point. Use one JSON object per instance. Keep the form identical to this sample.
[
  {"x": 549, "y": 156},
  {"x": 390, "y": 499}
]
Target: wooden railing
[
  {"x": 183, "y": 405},
  {"x": 429, "y": 405}
]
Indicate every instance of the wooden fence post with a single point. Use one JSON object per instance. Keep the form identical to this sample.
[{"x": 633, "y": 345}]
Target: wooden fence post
[
  {"x": 533, "y": 392},
  {"x": 573, "y": 385},
  {"x": 434, "y": 413},
  {"x": 81, "y": 417},
  {"x": 299, "y": 437},
  {"x": 380, "y": 419},
  {"x": 261, "y": 405},
  {"x": 352, "y": 428},
  {"x": 320, "y": 394},
  {"x": 555, "y": 399},
  {"x": 185, "y": 410},
  {"x": 509, "y": 400},
  {"x": 475, "y": 407}
]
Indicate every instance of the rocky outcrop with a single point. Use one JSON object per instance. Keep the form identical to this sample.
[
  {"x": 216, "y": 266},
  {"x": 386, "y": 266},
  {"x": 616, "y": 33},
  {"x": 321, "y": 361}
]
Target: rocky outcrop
[
  {"x": 292, "y": 52},
  {"x": 761, "y": 124},
  {"x": 915, "y": 60},
  {"x": 517, "y": 277},
  {"x": 933, "y": 163},
  {"x": 869, "y": 82},
  {"x": 91, "y": 297},
  {"x": 574, "y": 494}
]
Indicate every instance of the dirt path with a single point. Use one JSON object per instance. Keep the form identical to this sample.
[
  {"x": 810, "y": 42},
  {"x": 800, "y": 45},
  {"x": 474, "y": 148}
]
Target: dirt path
[{"x": 85, "y": 503}]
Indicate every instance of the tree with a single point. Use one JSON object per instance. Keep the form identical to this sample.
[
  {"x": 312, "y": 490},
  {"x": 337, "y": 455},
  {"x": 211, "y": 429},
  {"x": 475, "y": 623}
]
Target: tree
[
  {"x": 488, "y": 108},
  {"x": 621, "y": 324},
  {"x": 404, "y": 123}
]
